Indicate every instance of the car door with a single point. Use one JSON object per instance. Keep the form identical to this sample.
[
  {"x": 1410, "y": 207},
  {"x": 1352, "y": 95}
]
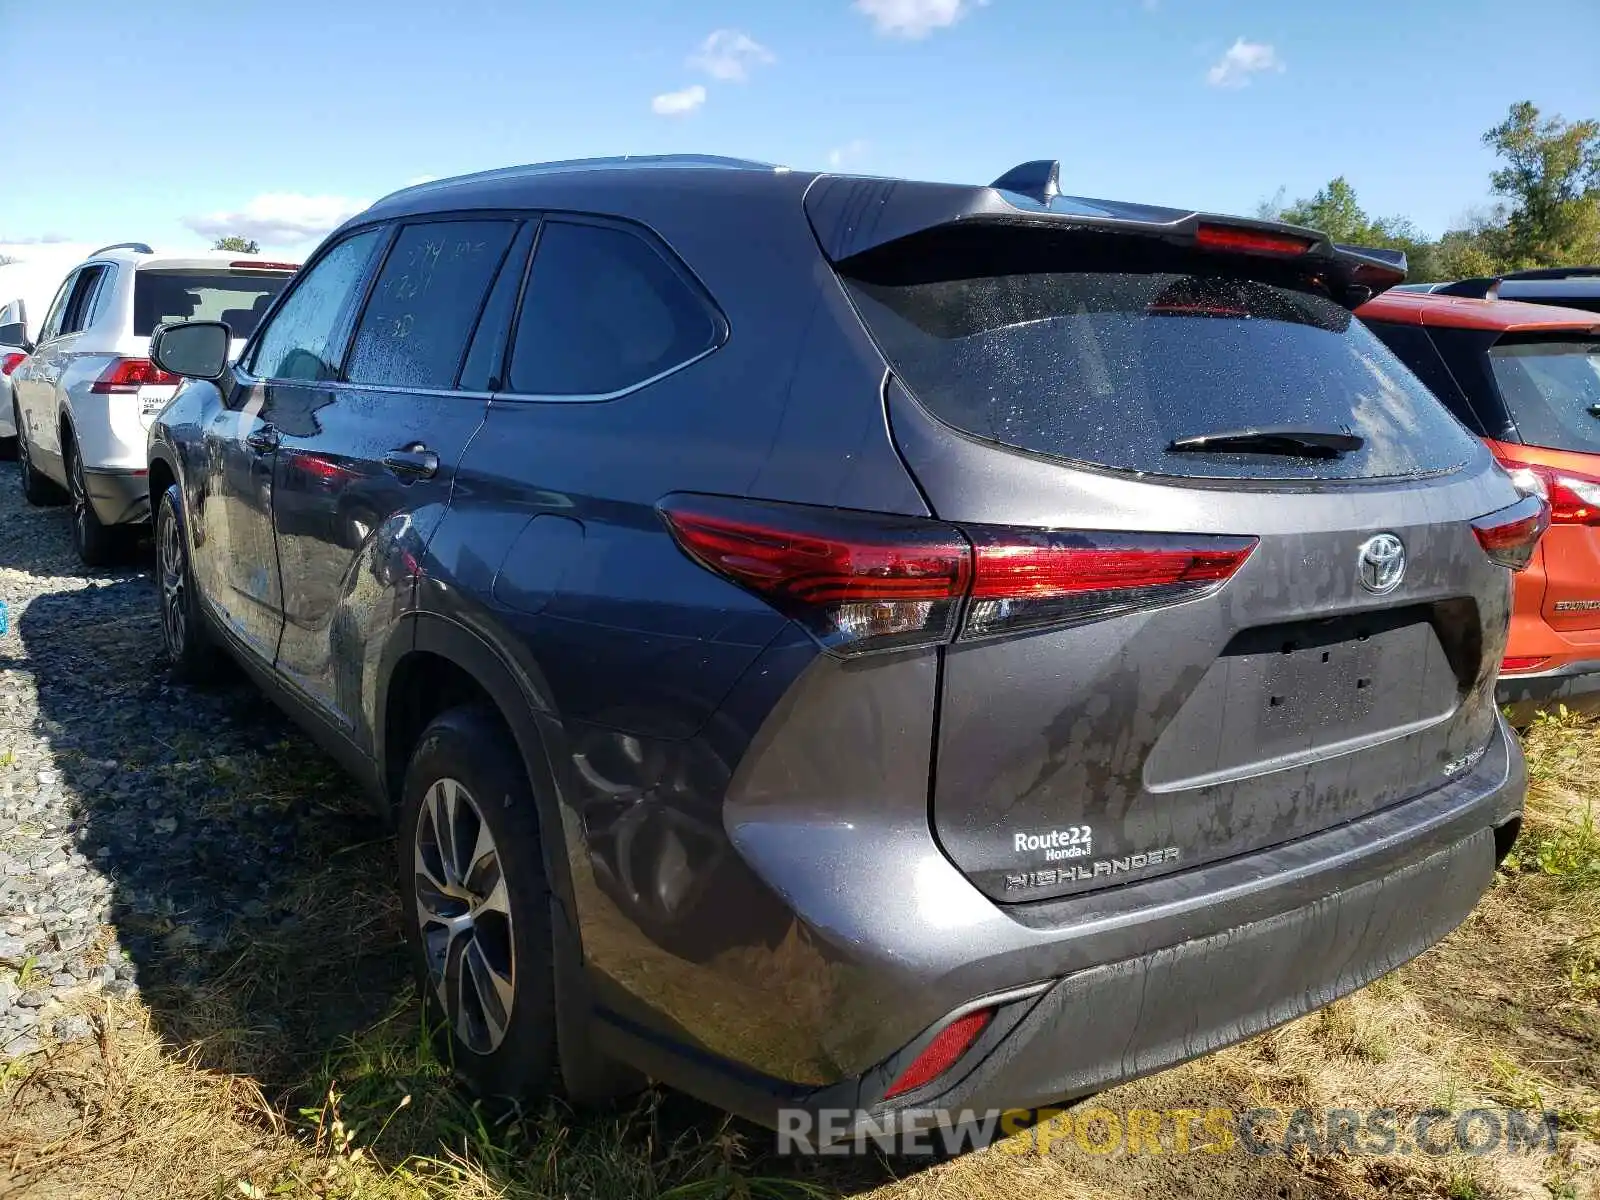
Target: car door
[
  {"x": 373, "y": 471},
  {"x": 284, "y": 381},
  {"x": 35, "y": 382}
]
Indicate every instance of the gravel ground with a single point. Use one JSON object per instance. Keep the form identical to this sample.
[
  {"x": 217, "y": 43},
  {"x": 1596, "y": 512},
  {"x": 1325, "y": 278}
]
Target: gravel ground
[{"x": 126, "y": 834}]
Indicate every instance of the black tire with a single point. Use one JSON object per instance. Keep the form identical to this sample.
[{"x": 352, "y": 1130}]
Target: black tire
[
  {"x": 8, "y": 449},
  {"x": 38, "y": 490},
  {"x": 191, "y": 653},
  {"x": 97, "y": 544},
  {"x": 470, "y": 749}
]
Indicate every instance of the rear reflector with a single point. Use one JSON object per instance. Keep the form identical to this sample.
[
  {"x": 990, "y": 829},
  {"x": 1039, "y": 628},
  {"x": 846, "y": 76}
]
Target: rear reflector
[
  {"x": 1574, "y": 497},
  {"x": 1510, "y": 536},
  {"x": 1249, "y": 241},
  {"x": 126, "y": 375},
  {"x": 1522, "y": 663},
  {"x": 861, "y": 582},
  {"x": 951, "y": 1042},
  {"x": 10, "y": 362}
]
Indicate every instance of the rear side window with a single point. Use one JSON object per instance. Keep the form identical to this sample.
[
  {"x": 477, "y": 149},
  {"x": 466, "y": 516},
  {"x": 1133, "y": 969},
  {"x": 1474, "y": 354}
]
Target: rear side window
[
  {"x": 81, "y": 303},
  {"x": 166, "y": 297},
  {"x": 426, "y": 301},
  {"x": 1107, "y": 354},
  {"x": 603, "y": 312},
  {"x": 1412, "y": 345},
  {"x": 303, "y": 339},
  {"x": 485, "y": 357},
  {"x": 1552, "y": 388}
]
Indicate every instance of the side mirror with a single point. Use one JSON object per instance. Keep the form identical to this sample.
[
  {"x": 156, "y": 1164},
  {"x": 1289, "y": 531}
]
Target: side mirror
[
  {"x": 194, "y": 349},
  {"x": 15, "y": 334}
]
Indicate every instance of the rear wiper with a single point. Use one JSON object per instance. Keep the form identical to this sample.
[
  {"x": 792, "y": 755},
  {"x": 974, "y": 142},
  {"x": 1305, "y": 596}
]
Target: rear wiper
[
  {"x": 1594, "y": 411},
  {"x": 1300, "y": 443}
]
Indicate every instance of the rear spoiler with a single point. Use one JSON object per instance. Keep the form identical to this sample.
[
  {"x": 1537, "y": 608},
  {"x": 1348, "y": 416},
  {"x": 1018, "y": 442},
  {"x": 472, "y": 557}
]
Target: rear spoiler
[
  {"x": 852, "y": 215},
  {"x": 1487, "y": 287}
]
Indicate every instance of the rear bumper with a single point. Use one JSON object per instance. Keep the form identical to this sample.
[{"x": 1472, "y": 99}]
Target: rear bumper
[
  {"x": 1127, "y": 1019},
  {"x": 120, "y": 497},
  {"x": 1577, "y": 685},
  {"x": 1098, "y": 988}
]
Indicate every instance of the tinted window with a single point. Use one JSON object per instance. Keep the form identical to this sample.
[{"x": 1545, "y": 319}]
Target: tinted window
[
  {"x": 481, "y": 371},
  {"x": 427, "y": 299},
  {"x": 302, "y": 340},
  {"x": 603, "y": 311},
  {"x": 1109, "y": 366},
  {"x": 167, "y": 297},
  {"x": 52, "y": 318},
  {"x": 1553, "y": 391},
  {"x": 1412, "y": 346},
  {"x": 81, "y": 303}
]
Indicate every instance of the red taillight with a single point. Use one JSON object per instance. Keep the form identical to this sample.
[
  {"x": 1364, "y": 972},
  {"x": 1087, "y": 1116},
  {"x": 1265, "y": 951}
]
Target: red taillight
[
  {"x": 857, "y": 581},
  {"x": 861, "y": 582},
  {"x": 1249, "y": 241},
  {"x": 1510, "y": 536},
  {"x": 948, "y": 1045},
  {"x": 123, "y": 375},
  {"x": 249, "y": 264},
  {"x": 1574, "y": 497},
  {"x": 1522, "y": 662},
  {"x": 10, "y": 362},
  {"x": 1024, "y": 579}
]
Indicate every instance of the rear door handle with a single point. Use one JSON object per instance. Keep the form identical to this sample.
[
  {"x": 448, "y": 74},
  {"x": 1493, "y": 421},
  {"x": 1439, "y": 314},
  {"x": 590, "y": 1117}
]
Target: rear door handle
[
  {"x": 412, "y": 461},
  {"x": 263, "y": 437}
]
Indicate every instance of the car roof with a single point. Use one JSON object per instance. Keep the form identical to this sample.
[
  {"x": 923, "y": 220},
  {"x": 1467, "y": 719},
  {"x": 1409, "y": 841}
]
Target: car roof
[
  {"x": 1585, "y": 287},
  {"x": 1460, "y": 312},
  {"x": 848, "y": 214}
]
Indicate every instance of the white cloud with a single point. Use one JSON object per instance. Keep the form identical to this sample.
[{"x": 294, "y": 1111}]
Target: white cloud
[
  {"x": 676, "y": 104},
  {"x": 281, "y": 218},
  {"x": 730, "y": 55},
  {"x": 915, "y": 18},
  {"x": 1242, "y": 60},
  {"x": 852, "y": 151}
]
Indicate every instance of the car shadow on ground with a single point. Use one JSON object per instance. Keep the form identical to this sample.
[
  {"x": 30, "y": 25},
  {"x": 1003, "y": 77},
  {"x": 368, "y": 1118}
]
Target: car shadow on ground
[{"x": 253, "y": 891}]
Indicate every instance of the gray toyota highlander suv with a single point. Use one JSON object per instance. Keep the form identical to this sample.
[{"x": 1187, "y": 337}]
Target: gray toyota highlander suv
[{"x": 843, "y": 643}]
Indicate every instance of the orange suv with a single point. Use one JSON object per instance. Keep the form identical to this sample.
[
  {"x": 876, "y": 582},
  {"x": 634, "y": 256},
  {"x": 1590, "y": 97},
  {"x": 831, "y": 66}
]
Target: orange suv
[{"x": 1526, "y": 379}]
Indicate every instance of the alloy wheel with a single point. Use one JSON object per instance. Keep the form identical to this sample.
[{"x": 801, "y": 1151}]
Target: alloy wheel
[
  {"x": 464, "y": 913},
  {"x": 174, "y": 579},
  {"x": 80, "y": 502}
]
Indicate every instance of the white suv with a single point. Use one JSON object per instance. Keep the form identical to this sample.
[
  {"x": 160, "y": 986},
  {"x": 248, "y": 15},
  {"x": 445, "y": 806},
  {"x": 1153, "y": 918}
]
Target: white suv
[{"x": 87, "y": 392}]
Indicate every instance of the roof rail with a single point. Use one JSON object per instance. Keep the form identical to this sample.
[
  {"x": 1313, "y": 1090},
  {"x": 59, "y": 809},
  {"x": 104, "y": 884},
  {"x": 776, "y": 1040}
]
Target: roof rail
[
  {"x": 1553, "y": 273},
  {"x": 136, "y": 247},
  {"x": 1485, "y": 287},
  {"x": 566, "y": 165},
  {"x": 1039, "y": 180}
]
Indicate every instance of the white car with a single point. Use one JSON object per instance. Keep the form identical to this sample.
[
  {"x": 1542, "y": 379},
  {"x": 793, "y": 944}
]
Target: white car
[
  {"x": 87, "y": 392},
  {"x": 25, "y": 291}
]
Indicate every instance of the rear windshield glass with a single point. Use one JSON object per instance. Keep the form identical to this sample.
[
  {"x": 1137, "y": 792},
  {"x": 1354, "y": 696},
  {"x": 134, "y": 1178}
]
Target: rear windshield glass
[
  {"x": 1552, "y": 389},
  {"x": 165, "y": 297},
  {"x": 1109, "y": 366}
]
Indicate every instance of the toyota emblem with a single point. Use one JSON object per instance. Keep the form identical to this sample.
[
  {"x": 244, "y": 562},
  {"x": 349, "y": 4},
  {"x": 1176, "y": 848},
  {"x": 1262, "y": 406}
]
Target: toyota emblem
[{"x": 1383, "y": 563}]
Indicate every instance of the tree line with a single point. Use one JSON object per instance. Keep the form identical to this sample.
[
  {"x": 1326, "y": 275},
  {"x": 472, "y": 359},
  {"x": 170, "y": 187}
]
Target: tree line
[{"x": 1547, "y": 213}]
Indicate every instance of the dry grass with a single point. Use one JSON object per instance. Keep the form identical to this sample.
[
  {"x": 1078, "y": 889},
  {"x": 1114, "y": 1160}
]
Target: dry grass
[{"x": 292, "y": 1062}]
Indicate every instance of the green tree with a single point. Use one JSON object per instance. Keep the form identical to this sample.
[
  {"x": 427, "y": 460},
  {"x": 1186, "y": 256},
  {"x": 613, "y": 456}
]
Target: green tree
[
  {"x": 1335, "y": 211},
  {"x": 237, "y": 244},
  {"x": 1550, "y": 177}
]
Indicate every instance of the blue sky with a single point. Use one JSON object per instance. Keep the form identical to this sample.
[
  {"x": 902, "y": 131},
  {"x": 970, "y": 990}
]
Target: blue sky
[{"x": 169, "y": 121}]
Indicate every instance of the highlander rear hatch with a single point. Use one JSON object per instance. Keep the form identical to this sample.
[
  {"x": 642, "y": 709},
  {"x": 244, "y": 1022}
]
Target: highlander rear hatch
[{"x": 1231, "y": 584}]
